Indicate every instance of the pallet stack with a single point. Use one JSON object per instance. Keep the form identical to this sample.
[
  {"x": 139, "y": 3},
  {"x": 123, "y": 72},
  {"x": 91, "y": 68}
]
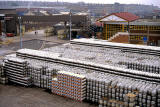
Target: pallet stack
[
  {"x": 70, "y": 85},
  {"x": 16, "y": 71}
]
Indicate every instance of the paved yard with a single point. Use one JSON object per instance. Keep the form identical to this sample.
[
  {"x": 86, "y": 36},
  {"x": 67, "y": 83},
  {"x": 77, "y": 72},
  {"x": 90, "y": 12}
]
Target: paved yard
[
  {"x": 31, "y": 41},
  {"x": 19, "y": 96}
]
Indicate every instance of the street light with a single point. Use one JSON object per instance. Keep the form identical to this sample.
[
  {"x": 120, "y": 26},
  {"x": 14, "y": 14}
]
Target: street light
[
  {"x": 20, "y": 31},
  {"x": 70, "y": 24}
]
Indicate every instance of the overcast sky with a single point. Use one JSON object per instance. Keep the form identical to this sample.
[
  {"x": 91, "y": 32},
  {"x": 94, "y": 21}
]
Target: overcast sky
[{"x": 154, "y": 2}]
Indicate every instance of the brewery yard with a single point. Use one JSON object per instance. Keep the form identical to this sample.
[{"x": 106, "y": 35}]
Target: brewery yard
[{"x": 96, "y": 71}]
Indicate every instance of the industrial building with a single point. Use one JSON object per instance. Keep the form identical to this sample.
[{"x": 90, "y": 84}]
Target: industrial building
[
  {"x": 9, "y": 21},
  {"x": 12, "y": 20},
  {"x": 140, "y": 32}
]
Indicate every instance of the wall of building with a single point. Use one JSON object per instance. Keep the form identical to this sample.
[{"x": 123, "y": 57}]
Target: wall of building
[
  {"x": 121, "y": 39},
  {"x": 11, "y": 23}
]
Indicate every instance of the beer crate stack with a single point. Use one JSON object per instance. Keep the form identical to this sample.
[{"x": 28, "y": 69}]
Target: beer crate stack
[
  {"x": 16, "y": 71},
  {"x": 69, "y": 85}
]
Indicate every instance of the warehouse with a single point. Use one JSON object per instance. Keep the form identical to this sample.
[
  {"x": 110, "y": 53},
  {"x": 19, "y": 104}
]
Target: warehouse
[
  {"x": 9, "y": 21},
  {"x": 140, "y": 31},
  {"x": 81, "y": 70}
]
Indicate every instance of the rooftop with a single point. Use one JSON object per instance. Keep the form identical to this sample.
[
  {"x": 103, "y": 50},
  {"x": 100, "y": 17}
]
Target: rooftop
[
  {"x": 127, "y": 16},
  {"x": 122, "y": 16}
]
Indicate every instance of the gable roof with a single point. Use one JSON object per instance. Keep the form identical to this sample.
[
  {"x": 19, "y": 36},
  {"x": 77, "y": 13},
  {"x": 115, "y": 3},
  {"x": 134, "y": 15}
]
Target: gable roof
[{"x": 124, "y": 15}]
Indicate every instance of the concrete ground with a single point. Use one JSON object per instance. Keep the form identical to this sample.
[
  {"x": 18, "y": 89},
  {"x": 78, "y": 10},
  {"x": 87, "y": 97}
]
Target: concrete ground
[
  {"x": 29, "y": 40},
  {"x": 31, "y": 35},
  {"x": 18, "y": 96}
]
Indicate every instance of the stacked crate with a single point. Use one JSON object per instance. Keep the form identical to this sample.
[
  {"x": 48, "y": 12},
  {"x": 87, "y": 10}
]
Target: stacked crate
[
  {"x": 16, "y": 71},
  {"x": 70, "y": 85}
]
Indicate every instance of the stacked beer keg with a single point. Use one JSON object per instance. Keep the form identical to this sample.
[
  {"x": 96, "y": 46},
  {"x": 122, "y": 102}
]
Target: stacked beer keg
[
  {"x": 16, "y": 71},
  {"x": 40, "y": 73},
  {"x": 3, "y": 78},
  {"x": 142, "y": 67},
  {"x": 1, "y": 70},
  {"x": 150, "y": 50},
  {"x": 108, "y": 82},
  {"x": 103, "y": 55}
]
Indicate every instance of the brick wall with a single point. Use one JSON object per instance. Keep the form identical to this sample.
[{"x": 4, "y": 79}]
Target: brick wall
[{"x": 121, "y": 39}]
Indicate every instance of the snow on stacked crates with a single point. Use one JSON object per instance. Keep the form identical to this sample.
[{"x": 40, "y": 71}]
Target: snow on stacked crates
[
  {"x": 16, "y": 71},
  {"x": 69, "y": 85}
]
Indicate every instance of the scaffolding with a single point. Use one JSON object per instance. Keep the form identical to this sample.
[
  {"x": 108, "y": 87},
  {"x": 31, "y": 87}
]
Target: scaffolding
[
  {"x": 138, "y": 31},
  {"x": 112, "y": 29}
]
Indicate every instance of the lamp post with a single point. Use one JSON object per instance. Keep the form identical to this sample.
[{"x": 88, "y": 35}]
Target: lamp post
[
  {"x": 70, "y": 25},
  {"x": 20, "y": 31}
]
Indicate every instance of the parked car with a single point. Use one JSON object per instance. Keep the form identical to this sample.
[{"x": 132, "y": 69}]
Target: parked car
[{"x": 10, "y": 34}]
